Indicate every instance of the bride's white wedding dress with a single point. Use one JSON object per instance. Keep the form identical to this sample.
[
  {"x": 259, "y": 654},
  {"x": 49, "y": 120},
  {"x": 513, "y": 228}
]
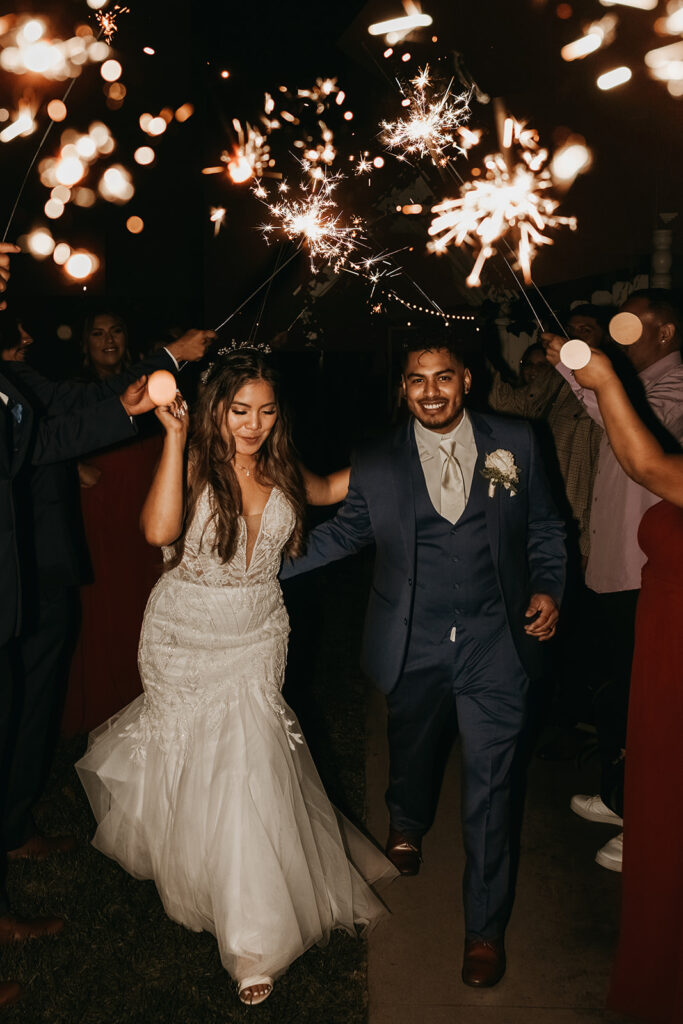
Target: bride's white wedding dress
[{"x": 205, "y": 783}]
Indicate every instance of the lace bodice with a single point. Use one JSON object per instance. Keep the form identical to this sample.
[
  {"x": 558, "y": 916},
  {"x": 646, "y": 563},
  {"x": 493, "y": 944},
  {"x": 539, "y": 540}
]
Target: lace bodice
[{"x": 201, "y": 565}]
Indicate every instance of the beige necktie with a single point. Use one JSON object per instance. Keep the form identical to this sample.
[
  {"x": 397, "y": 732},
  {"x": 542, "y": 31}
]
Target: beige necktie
[{"x": 452, "y": 483}]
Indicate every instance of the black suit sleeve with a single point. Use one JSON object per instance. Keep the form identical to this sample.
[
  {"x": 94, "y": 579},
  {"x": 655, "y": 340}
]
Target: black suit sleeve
[
  {"x": 347, "y": 532},
  {"x": 71, "y": 435},
  {"x": 58, "y": 398},
  {"x": 546, "y": 550}
]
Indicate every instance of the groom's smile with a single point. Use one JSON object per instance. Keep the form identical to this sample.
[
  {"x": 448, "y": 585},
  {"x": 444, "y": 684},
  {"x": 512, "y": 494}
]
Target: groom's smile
[{"x": 434, "y": 384}]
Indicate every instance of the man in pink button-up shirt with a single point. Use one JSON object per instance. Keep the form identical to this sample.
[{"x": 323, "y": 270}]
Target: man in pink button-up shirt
[{"x": 616, "y": 560}]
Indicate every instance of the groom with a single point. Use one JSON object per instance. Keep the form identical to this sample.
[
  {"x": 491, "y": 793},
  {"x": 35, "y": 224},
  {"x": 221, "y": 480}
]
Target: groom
[{"x": 467, "y": 582}]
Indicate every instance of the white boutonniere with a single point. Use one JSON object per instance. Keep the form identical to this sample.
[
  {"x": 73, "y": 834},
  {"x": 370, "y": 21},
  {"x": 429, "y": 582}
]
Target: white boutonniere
[{"x": 500, "y": 468}]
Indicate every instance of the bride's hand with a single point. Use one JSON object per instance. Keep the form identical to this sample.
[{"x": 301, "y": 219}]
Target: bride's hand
[{"x": 174, "y": 417}]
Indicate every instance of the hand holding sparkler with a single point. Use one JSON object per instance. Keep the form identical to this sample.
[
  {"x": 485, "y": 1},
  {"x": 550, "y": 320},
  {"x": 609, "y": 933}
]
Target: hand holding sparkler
[
  {"x": 191, "y": 346},
  {"x": 552, "y": 343}
]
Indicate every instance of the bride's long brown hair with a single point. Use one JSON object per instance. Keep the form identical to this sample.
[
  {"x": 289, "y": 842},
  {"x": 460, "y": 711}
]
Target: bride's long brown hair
[{"x": 210, "y": 456}]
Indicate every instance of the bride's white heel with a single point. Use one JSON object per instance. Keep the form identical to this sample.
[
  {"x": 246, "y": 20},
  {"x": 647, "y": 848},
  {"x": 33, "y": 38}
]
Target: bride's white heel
[{"x": 259, "y": 982}]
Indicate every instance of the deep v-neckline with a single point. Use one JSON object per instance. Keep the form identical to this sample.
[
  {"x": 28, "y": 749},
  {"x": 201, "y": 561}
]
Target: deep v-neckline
[{"x": 248, "y": 564}]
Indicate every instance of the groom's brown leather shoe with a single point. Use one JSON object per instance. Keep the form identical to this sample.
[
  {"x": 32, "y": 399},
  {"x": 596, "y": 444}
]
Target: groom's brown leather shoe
[
  {"x": 404, "y": 852},
  {"x": 484, "y": 962}
]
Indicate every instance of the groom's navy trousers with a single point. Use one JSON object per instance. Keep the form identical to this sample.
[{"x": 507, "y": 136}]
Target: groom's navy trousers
[{"x": 444, "y": 632}]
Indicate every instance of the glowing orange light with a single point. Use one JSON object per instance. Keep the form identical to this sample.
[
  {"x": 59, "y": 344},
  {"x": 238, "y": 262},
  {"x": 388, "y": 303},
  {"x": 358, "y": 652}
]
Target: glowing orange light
[
  {"x": 184, "y": 112},
  {"x": 54, "y": 208},
  {"x": 80, "y": 265},
  {"x": 111, "y": 70},
  {"x": 564, "y": 11},
  {"x": 348, "y": 115},
  {"x": 225, "y": 74},
  {"x": 61, "y": 253},
  {"x": 405, "y": 58},
  {"x": 144, "y": 155},
  {"x": 135, "y": 225},
  {"x": 239, "y": 169},
  {"x": 56, "y": 110},
  {"x": 149, "y": 50},
  {"x": 378, "y": 162},
  {"x": 388, "y": 52}
]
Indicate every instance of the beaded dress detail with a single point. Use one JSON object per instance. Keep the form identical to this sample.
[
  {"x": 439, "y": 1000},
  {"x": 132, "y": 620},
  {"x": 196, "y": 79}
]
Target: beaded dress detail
[{"x": 205, "y": 783}]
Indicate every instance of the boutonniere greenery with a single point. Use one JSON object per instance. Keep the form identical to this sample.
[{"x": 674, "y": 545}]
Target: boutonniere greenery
[{"x": 500, "y": 468}]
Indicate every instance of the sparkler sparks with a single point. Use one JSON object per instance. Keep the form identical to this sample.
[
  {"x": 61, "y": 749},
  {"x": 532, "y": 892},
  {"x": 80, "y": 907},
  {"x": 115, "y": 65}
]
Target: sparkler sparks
[
  {"x": 509, "y": 202},
  {"x": 433, "y": 120},
  {"x": 107, "y": 20},
  {"x": 313, "y": 217},
  {"x": 251, "y": 155}
]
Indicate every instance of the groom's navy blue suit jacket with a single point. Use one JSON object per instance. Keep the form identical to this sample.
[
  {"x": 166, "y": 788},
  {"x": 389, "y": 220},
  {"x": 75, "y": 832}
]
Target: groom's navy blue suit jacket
[{"x": 526, "y": 538}]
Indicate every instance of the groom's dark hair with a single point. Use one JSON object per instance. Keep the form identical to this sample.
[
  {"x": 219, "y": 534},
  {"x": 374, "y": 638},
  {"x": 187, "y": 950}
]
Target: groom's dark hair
[{"x": 430, "y": 341}]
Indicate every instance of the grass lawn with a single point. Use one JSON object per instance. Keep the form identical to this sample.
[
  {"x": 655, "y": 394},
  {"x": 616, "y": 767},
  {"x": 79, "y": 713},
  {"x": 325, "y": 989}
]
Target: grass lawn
[{"x": 120, "y": 959}]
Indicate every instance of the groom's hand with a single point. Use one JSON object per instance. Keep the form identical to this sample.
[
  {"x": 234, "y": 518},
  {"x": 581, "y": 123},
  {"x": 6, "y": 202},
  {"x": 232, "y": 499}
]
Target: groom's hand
[{"x": 544, "y": 613}]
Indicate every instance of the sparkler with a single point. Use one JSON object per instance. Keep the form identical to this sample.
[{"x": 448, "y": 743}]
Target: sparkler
[
  {"x": 313, "y": 217},
  {"x": 431, "y": 126},
  {"x": 509, "y": 201},
  {"x": 107, "y": 20}
]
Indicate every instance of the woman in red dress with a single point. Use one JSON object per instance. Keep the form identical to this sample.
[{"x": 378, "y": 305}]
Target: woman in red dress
[
  {"x": 647, "y": 979},
  {"x": 114, "y": 483}
]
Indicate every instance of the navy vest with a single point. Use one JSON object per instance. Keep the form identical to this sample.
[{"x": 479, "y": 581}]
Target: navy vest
[{"x": 455, "y": 579}]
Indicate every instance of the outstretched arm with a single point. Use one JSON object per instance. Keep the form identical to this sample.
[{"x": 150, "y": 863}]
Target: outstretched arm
[
  {"x": 345, "y": 534},
  {"x": 639, "y": 453},
  {"x": 552, "y": 344},
  {"x": 57, "y": 397},
  {"x": 161, "y": 519},
  {"x": 326, "y": 490}
]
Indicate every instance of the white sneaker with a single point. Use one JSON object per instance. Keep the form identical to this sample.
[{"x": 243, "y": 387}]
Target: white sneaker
[
  {"x": 609, "y": 856},
  {"x": 593, "y": 809}
]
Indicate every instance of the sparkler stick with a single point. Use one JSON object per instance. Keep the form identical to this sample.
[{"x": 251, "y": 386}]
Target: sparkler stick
[
  {"x": 37, "y": 152},
  {"x": 32, "y": 164},
  {"x": 257, "y": 290}
]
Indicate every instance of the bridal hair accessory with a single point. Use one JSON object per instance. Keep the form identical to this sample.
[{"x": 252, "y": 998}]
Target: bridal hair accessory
[
  {"x": 500, "y": 468},
  {"x": 235, "y": 346}
]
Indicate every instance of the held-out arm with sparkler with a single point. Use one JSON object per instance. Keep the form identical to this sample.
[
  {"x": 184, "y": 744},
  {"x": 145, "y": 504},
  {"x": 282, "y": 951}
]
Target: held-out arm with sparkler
[
  {"x": 553, "y": 344},
  {"x": 161, "y": 519},
  {"x": 326, "y": 490},
  {"x": 639, "y": 453}
]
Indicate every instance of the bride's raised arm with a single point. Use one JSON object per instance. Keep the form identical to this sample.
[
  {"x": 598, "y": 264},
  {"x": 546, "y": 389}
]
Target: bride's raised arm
[
  {"x": 325, "y": 490},
  {"x": 161, "y": 519}
]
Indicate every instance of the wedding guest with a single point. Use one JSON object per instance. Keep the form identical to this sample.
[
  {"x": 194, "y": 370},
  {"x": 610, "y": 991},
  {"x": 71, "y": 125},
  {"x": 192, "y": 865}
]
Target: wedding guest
[
  {"x": 55, "y": 562},
  {"x": 570, "y": 442},
  {"x": 104, "y": 674},
  {"x": 615, "y": 560},
  {"x": 25, "y": 440},
  {"x": 646, "y": 979}
]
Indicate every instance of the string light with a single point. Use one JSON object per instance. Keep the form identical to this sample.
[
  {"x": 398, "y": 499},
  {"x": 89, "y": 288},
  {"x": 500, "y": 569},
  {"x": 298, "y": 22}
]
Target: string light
[{"x": 416, "y": 308}]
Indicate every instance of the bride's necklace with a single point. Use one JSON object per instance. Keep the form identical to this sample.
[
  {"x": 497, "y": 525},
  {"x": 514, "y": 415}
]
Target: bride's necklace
[{"x": 247, "y": 470}]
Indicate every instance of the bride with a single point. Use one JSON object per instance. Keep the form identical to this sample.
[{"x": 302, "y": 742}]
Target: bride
[{"x": 204, "y": 783}]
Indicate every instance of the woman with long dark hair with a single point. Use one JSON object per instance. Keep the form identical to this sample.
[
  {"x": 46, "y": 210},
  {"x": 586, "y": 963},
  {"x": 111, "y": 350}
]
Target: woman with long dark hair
[{"x": 205, "y": 783}]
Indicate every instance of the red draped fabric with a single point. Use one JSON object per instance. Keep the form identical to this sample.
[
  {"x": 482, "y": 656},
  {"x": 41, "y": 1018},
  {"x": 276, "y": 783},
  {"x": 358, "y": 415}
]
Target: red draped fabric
[
  {"x": 647, "y": 981},
  {"x": 104, "y": 675}
]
